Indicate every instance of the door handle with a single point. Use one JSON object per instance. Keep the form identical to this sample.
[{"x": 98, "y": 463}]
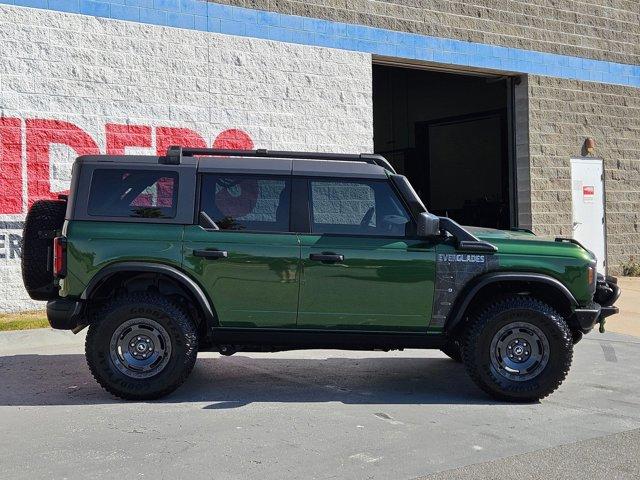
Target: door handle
[
  {"x": 211, "y": 254},
  {"x": 327, "y": 257}
]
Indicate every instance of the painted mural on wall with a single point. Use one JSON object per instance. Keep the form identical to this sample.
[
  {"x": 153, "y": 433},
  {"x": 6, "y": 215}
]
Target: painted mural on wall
[
  {"x": 41, "y": 134},
  {"x": 28, "y": 172}
]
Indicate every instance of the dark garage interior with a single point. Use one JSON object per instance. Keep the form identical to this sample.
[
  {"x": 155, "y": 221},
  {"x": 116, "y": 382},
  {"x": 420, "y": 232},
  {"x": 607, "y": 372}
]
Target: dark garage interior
[{"x": 449, "y": 134}]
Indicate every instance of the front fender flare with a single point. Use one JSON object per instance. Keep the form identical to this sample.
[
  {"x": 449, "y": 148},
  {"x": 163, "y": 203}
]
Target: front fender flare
[{"x": 468, "y": 294}]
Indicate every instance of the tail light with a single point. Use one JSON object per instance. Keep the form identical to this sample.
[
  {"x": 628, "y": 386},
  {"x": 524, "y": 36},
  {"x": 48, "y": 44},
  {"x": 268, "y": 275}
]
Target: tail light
[{"x": 59, "y": 257}]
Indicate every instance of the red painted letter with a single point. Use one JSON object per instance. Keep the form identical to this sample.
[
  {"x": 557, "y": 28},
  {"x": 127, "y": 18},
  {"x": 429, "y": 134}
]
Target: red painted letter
[
  {"x": 121, "y": 136},
  {"x": 233, "y": 139},
  {"x": 40, "y": 135},
  {"x": 167, "y": 136},
  {"x": 10, "y": 165}
]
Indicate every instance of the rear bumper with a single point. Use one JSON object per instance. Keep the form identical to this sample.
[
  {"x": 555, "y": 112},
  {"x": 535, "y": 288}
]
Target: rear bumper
[{"x": 63, "y": 314}]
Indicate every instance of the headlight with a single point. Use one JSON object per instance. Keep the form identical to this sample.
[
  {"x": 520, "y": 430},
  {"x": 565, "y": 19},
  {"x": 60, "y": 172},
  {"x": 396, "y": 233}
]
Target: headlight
[{"x": 591, "y": 275}]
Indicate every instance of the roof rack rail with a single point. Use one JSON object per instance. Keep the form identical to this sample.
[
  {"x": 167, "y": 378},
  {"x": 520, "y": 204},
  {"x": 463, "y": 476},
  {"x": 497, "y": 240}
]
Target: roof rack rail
[{"x": 175, "y": 154}]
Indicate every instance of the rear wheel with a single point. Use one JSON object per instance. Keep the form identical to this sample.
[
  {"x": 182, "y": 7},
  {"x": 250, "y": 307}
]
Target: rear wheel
[
  {"x": 141, "y": 346},
  {"x": 518, "y": 349}
]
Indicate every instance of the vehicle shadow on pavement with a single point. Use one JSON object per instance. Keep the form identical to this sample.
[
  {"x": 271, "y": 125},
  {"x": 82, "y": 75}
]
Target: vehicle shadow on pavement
[{"x": 232, "y": 382}]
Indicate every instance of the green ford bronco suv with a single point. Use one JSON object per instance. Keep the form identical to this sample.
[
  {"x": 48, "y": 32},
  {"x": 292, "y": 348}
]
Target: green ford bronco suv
[{"x": 229, "y": 251}]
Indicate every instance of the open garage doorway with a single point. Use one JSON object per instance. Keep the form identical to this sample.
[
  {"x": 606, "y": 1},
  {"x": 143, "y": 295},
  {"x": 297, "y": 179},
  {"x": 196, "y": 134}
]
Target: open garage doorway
[{"x": 450, "y": 134}]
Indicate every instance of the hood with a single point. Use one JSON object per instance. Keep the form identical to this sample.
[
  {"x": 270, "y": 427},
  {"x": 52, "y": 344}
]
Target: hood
[
  {"x": 526, "y": 243},
  {"x": 486, "y": 233}
]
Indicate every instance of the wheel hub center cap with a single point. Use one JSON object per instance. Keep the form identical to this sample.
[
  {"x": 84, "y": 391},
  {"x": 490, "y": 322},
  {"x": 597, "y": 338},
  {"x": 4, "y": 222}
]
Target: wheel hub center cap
[
  {"x": 518, "y": 350},
  {"x": 141, "y": 346}
]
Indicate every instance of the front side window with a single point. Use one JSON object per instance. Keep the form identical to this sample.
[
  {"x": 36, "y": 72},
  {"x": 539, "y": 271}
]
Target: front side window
[
  {"x": 358, "y": 207},
  {"x": 247, "y": 202},
  {"x": 133, "y": 193}
]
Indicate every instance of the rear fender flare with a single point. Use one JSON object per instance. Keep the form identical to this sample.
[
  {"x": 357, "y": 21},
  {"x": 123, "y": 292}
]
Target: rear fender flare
[{"x": 144, "y": 267}]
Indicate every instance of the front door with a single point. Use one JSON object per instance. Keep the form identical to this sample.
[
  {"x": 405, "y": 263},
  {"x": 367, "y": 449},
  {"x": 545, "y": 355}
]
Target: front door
[
  {"x": 249, "y": 268},
  {"x": 587, "y": 195},
  {"x": 362, "y": 269}
]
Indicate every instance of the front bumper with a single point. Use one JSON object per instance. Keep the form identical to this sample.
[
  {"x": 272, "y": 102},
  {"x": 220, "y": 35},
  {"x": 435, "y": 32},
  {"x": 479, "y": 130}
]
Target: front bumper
[
  {"x": 64, "y": 314},
  {"x": 593, "y": 314},
  {"x": 607, "y": 292}
]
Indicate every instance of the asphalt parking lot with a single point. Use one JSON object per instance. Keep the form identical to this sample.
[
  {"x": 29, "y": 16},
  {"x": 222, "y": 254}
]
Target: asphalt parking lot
[{"x": 316, "y": 414}]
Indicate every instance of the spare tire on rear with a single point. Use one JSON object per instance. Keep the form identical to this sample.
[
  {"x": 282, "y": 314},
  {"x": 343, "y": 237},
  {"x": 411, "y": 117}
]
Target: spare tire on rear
[{"x": 43, "y": 223}]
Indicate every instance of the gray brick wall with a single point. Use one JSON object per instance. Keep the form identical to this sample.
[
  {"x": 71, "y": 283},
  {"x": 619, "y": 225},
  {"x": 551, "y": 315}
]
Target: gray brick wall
[
  {"x": 562, "y": 113},
  {"x": 599, "y": 29}
]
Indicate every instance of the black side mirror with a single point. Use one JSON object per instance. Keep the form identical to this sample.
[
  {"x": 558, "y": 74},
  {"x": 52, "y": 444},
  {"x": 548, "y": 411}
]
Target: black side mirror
[{"x": 428, "y": 225}]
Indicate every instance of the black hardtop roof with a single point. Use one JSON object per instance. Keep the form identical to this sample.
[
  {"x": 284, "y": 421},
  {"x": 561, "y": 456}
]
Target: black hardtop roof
[{"x": 259, "y": 161}]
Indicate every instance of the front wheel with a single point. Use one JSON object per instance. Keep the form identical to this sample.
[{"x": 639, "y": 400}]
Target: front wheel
[
  {"x": 141, "y": 347},
  {"x": 519, "y": 349}
]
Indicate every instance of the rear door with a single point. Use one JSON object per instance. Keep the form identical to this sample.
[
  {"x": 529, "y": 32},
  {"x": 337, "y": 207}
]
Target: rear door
[
  {"x": 250, "y": 267},
  {"x": 362, "y": 267}
]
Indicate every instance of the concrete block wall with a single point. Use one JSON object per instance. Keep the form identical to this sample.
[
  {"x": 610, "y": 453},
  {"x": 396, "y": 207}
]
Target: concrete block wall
[
  {"x": 325, "y": 31},
  {"x": 562, "y": 113},
  {"x": 72, "y": 84},
  {"x": 603, "y": 29}
]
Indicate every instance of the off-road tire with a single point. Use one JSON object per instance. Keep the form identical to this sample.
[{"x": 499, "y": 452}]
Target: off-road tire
[
  {"x": 477, "y": 349},
  {"x": 44, "y": 217},
  {"x": 181, "y": 331},
  {"x": 453, "y": 350}
]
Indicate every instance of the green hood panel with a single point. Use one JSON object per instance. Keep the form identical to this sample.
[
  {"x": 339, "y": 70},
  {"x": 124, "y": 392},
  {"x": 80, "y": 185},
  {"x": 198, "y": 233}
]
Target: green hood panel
[{"x": 525, "y": 243}]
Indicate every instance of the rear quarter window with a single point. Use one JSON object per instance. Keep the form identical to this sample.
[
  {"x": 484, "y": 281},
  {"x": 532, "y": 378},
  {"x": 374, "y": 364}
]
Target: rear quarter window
[{"x": 133, "y": 193}]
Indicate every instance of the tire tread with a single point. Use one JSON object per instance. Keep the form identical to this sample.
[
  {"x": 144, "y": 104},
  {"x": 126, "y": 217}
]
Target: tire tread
[
  {"x": 183, "y": 323},
  {"x": 517, "y": 392}
]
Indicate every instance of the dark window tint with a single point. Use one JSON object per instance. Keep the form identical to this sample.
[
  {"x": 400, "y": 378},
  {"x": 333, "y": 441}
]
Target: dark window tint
[
  {"x": 247, "y": 202},
  {"x": 358, "y": 207},
  {"x": 133, "y": 193}
]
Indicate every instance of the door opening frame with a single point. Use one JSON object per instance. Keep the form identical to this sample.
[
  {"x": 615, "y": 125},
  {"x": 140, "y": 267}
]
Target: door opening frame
[
  {"x": 423, "y": 144},
  {"x": 512, "y": 80}
]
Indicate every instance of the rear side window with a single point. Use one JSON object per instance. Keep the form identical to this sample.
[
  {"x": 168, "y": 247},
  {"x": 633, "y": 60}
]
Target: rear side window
[
  {"x": 259, "y": 203},
  {"x": 359, "y": 207},
  {"x": 133, "y": 193}
]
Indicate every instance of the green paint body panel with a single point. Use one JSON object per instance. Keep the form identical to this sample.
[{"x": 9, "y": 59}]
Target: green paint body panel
[
  {"x": 525, "y": 252},
  {"x": 268, "y": 280},
  {"x": 257, "y": 285},
  {"x": 91, "y": 246},
  {"x": 383, "y": 284}
]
